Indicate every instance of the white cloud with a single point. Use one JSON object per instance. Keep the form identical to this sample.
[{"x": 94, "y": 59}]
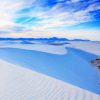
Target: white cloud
[
  {"x": 55, "y": 17},
  {"x": 58, "y": 16},
  {"x": 71, "y": 34},
  {"x": 8, "y": 9}
]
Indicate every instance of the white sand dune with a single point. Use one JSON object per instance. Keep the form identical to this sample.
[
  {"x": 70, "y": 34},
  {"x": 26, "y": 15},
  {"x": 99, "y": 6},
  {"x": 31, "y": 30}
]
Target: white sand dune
[
  {"x": 70, "y": 65},
  {"x": 91, "y": 47},
  {"x": 17, "y": 83},
  {"x": 39, "y": 47}
]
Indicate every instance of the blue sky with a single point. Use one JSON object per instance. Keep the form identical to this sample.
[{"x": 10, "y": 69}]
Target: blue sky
[{"x": 49, "y": 18}]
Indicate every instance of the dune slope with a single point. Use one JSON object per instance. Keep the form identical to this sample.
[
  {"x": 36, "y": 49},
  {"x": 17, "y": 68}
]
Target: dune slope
[
  {"x": 17, "y": 83},
  {"x": 73, "y": 67}
]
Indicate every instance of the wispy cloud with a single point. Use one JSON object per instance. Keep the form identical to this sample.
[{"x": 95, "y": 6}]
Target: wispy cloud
[{"x": 24, "y": 16}]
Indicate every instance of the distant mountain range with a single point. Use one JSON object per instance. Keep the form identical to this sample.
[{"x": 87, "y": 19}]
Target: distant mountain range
[{"x": 44, "y": 39}]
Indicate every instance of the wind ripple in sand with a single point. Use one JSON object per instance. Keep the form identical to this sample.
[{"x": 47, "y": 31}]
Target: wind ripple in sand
[{"x": 17, "y": 83}]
